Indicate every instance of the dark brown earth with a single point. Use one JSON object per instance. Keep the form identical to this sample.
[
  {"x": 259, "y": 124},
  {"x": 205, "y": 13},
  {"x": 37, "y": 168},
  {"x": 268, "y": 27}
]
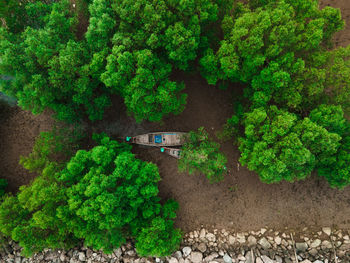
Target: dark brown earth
[{"x": 240, "y": 202}]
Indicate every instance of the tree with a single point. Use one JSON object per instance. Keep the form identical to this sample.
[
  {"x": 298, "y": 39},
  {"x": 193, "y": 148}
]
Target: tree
[
  {"x": 278, "y": 49},
  {"x": 3, "y": 185},
  {"x": 202, "y": 155},
  {"x": 102, "y": 196},
  {"x": 280, "y": 146}
]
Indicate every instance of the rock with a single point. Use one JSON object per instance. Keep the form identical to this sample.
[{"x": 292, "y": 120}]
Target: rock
[
  {"x": 231, "y": 240},
  {"x": 202, "y": 234},
  {"x": 62, "y": 257},
  {"x": 278, "y": 240},
  {"x": 264, "y": 243},
  {"x": 301, "y": 246},
  {"x": 278, "y": 259},
  {"x": 318, "y": 261},
  {"x": 241, "y": 238},
  {"x": 227, "y": 258},
  {"x": 262, "y": 231},
  {"x": 266, "y": 259},
  {"x": 131, "y": 253},
  {"x": 177, "y": 254},
  {"x": 211, "y": 257},
  {"x": 259, "y": 260},
  {"x": 196, "y": 257},
  {"x": 186, "y": 251},
  {"x": 117, "y": 252},
  {"x": 326, "y": 244},
  {"x": 315, "y": 243},
  {"x": 173, "y": 260},
  {"x": 251, "y": 241},
  {"x": 18, "y": 260},
  {"x": 250, "y": 257},
  {"x": 211, "y": 237},
  {"x": 327, "y": 230},
  {"x": 313, "y": 252},
  {"x": 81, "y": 256},
  {"x": 202, "y": 247},
  {"x": 346, "y": 237},
  {"x": 306, "y": 261}
]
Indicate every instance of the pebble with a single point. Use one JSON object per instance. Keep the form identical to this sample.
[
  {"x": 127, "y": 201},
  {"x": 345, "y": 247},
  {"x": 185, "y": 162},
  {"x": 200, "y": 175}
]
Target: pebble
[
  {"x": 186, "y": 251},
  {"x": 231, "y": 239},
  {"x": 173, "y": 260},
  {"x": 227, "y": 258},
  {"x": 315, "y": 243},
  {"x": 278, "y": 240},
  {"x": 202, "y": 247},
  {"x": 251, "y": 241},
  {"x": 301, "y": 246},
  {"x": 264, "y": 243},
  {"x": 211, "y": 237},
  {"x": 81, "y": 256},
  {"x": 327, "y": 230},
  {"x": 196, "y": 257}
]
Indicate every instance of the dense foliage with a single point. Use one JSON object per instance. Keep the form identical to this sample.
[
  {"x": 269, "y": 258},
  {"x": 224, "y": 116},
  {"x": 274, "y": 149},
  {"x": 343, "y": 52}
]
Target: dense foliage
[
  {"x": 129, "y": 48},
  {"x": 3, "y": 185},
  {"x": 296, "y": 89},
  {"x": 200, "y": 154},
  {"x": 102, "y": 196}
]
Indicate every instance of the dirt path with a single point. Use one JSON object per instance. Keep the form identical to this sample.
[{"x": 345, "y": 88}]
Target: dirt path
[{"x": 240, "y": 202}]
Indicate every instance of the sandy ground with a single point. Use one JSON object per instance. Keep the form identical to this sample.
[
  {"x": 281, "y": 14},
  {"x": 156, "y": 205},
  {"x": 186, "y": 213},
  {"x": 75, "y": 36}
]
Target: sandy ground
[{"x": 240, "y": 202}]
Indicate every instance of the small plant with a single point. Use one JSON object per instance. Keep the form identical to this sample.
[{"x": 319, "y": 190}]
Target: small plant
[{"x": 202, "y": 155}]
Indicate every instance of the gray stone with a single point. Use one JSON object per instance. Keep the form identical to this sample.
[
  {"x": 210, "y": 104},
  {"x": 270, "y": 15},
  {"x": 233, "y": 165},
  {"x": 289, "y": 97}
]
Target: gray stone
[
  {"x": 251, "y": 241},
  {"x": 202, "y": 247},
  {"x": 173, "y": 260},
  {"x": 250, "y": 257},
  {"x": 227, "y": 258},
  {"x": 264, "y": 243},
  {"x": 202, "y": 233},
  {"x": 306, "y": 261},
  {"x": 301, "y": 246},
  {"x": 318, "y": 261},
  {"x": 177, "y": 254},
  {"x": 315, "y": 243},
  {"x": 278, "y": 240},
  {"x": 241, "y": 238},
  {"x": 211, "y": 257},
  {"x": 327, "y": 244},
  {"x": 327, "y": 230},
  {"x": 259, "y": 260},
  {"x": 117, "y": 252},
  {"x": 266, "y": 259},
  {"x": 231, "y": 240},
  {"x": 18, "y": 260},
  {"x": 186, "y": 251},
  {"x": 211, "y": 237},
  {"x": 278, "y": 259},
  {"x": 62, "y": 257},
  {"x": 196, "y": 257}
]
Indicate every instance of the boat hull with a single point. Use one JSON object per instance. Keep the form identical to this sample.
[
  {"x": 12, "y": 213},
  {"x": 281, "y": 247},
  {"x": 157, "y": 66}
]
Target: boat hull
[{"x": 160, "y": 139}]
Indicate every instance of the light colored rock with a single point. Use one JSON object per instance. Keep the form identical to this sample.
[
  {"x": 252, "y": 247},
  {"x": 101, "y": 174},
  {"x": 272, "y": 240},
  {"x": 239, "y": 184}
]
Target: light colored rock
[
  {"x": 62, "y": 257},
  {"x": 263, "y": 230},
  {"x": 250, "y": 258},
  {"x": 278, "y": 240},
  {"x": 259, "y": 260},
  {"x": 196, "y": 257},
  {"x": 231, "y": 240},
  {"x": 251, "y": 241},
  {"x": 306, "y": 261},
  {"x": 326, "y": 244},
  {"x": 177, "y": 254},
  {"x": 315, "y": 243},
  {"x": 327, "y": 230},
  {"x": 301, "y": 246},
  {"x": 227, "y": 258},
  {"x": 202, "y": 233},
  {"x": 278, "y": 259},
  {"x": 264, "y": 243},
  {"x": 313, "y": 252},
  {"x": 241, "y": 238},
  {"x": 211, "y": 237},
  {"x": 202, "y": 247},
  {"x": 186, "y": 251},
  {"x": 81, "y": 256},
  {"x": 318, "y": 261},
  {"x": 173, "y": 260},
  {"x": 266, "y": 259}
]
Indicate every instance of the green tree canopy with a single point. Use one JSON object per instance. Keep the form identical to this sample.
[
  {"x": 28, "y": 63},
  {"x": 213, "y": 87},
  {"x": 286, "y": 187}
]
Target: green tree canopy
[{"x": 102, "y": 196}]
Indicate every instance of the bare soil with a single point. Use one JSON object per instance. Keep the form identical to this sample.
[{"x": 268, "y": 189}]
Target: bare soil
[{"x": 240, "y": 202}]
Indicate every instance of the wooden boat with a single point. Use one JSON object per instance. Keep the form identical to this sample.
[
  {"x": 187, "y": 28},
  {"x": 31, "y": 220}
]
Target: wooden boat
[
  {"x": 171, "y": 151},
  {"x": 159, "y": 139}
]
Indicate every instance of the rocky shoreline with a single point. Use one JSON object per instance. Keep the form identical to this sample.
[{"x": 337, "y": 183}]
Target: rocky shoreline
[{"x": 217, "y": 246}]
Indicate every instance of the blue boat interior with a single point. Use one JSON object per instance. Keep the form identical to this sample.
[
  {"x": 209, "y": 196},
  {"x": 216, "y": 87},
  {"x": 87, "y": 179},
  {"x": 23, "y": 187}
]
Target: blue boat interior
[{"x": 158, "y": 138}]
